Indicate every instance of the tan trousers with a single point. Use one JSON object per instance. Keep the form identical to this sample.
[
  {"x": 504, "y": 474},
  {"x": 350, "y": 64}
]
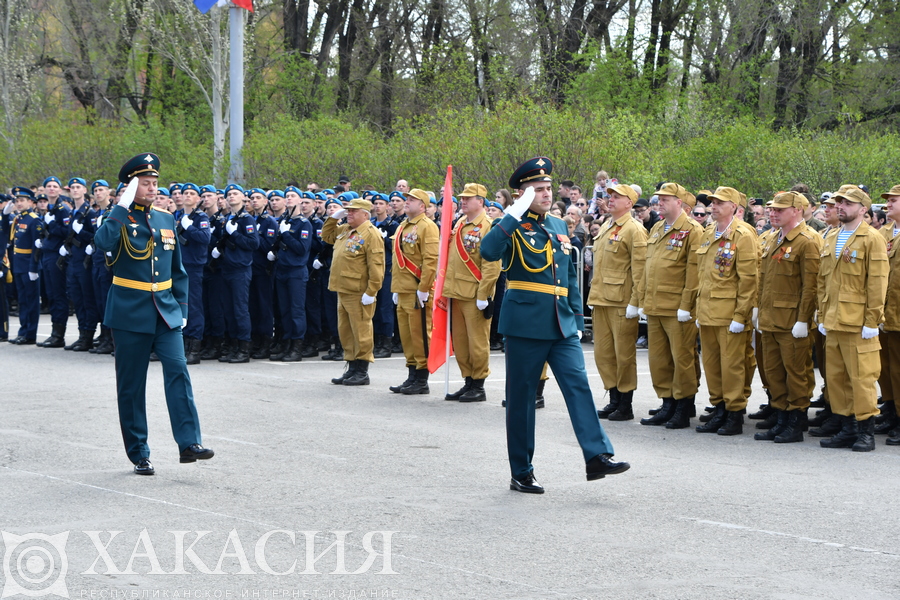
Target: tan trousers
[
  {"x": 614, "y": 348},
  {"x": 890, "y": 355},
  {"x": 471, "y": 334},
  {"x": 355, "y": 327},
  {"x": 786, "y": 362},
  {"x": 853, "y": 367},
  {"x": 409, "y": 321},
  {"x": 672, "y": 346},
  {"x": 725, "y": 363}
]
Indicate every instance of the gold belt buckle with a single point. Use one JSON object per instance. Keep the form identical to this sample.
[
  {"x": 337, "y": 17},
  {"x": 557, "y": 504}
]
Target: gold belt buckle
[
  {"x": 557, "y": 290},
  {"x": 154, "y": 287}
]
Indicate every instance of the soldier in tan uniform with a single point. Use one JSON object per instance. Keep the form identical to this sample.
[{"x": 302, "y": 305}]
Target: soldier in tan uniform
[
  {"x": 727, "y": 269},
  {"x": 416, "y": 244},
  {"x": 890, "y": 380},
  {"x": 853, "y": 277},
  {"x": 357, "y": 271},
  {"x": 666, "y": 295},
  {"x": 787, "y": 301},
  {"x": 470, "y": 285},
  {"x": 619, "y": 254}
]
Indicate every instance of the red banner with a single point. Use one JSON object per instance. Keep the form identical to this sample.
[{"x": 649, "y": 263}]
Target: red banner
[{"x": 437, "y": 351}]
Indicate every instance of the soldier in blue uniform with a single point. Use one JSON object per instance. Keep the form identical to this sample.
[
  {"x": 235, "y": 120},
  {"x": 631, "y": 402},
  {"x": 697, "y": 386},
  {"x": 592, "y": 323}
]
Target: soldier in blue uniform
[
  {"x": 295, "y": 239},
  {"x": 213, "y": 283},
  {"x": 314, "y": 285},
  {"x": 384, "y": 307},
  {"x": 27, "y": 229},
  {"x": 542, "y": 321},
  {"x": 101, "y": 275},
  {"x": 146, "y": 310},
  {"x": 262, "y": 282},
  {"x": 193, "y": 231},
  {"x": 79, "y": 286},
  {"x": 56, "y": 229}
]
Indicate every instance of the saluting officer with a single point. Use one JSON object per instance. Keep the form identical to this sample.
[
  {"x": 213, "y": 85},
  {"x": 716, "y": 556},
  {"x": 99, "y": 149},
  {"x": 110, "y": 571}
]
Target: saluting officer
[
  {"x": 357, "y": 273},
  {"x": 291, "y": 274},
  {"x": 469, "y": 283},
  {"x": 727, "y": 270},
  {"x": 787, "y": 301},
  {"x": 619, "y": 255},
  {"x": 891, "y": 334},
  {"x": 194, "y": 233},
  {"x": 666, "y": 293},
  {"x": 416, "y": 245},
  {"x": 146, "y": 310},
  {"x": 853, "y": 280},
  {"x": 27, "y": 229},
  {"x": 542, "y": 322},
  {"x": 56, "y": 229}
]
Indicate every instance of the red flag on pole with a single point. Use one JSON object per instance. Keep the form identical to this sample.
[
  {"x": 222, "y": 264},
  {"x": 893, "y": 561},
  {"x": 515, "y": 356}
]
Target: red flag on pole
[
  {"x": 440, "y": 334},
  {"x": 248, "y": 4}
]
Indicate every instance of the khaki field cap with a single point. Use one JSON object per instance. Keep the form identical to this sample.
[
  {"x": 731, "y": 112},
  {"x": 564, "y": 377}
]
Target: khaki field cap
[
  {"x": 829, "y": 199},
  {"x": 360, "y": 204},
  {"x": 625, "y": 190},
  {"x": 727, "y": 194},
  {"x": 689, "y": 199},
  {"x": 853, "y": 194},
  {"x": 895, "y": 191},
  {"x": 672, "y": 189},
  {"x": 788, "y": 200},
  {"x": 474, "y": 189},
  {"x": 419, "y": 195}
]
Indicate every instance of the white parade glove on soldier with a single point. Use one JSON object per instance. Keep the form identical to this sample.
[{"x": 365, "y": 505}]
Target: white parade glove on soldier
[
  {"x": 77, "y": 227},
  {"x": 631, "y": 312},
  {"x": 395, "y": 297},
  {"x": 89, "y": 249},
  {"x": 367, "y": 299},
  {"x": 317, "y": 265},
  {"x": 339, "y": 213},
  {"x": 422, "y": 296},
  {"x": 683, "y": 316},
  {"x": 754, "y": 318},
  {"x": 186, "y": 222},
  {"x": 10, "y": 206},
  {"x": 800, "y": 330},
  {"x": 822, "y": 329},
  {"x": 522, "y": 204},
  {"x": 48, "y": 218},
  {"x": 284, "y": 227},
  {"x": 384, "y": 233},
  {"x": 99, "y": 221},
  {"x": 216, "y": 253},
  {"x": 38, "y": 243},
  {"x": 230, "y": 227},
  {"x": 580, "y": 334},
  {"x": 642, "y": 314},
  {"x": 128, "y": 195},
  {"x": 869, "y": 332},
  {"x": 270, "y": 256},
  {"x": 736, "y": 327},
  {"x": 63, "y": 251},
  {"x": 481, "y": 304},
  {"x": 33, "y": 276},
  {"x": 183, "y": 323}
]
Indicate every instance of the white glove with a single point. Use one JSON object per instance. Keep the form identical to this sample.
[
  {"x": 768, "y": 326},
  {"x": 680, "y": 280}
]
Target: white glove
[
  {"x": 867, "y": 332},
  {"x": 481, "y": 304},
  {"x": 800, "y": 330},
  {"x": 89, "y": 249},
  {"x": 9, "y": 207},
  {"x": 109, "y": 254},
  {"x": 367, "y": 299},
  {"x": 77, "y": 227},
  {"x": 736, "y": 327},
  {"x": 128, "y": 195},
  {"x": 384, "y": 233},
  {"x": 642, "y": 314},
  {"x": 285, "y": 226},
  {"x": 683, "y": 316},
  {"x": 339, "y": 213},
  {"x": 270, "y": 256},
  {"x": 580, "y": 334},
  {"x": 183, "y": 323},
  {"x": 422, "y": 296},
  {"x": 186, "y": 222},
  {"x": 230, "y": 227},
  {"x": 631, "y": 312},
  {"x": 317, "y": 265},
  {"x": 822, "y": 329},
  {"x": 216, "y": 253},
  {"x": 697, "y": 323},
  {"x": 33, "y": 276},
  {"x": 63, "y": 251},
  {"x": 754, "y": 318},
  {"x": 49, "y": 218},
  {"x": 522, "y": 204},
  {"x": 396, "y": 298},
  {"x": 39, "y": 243},
  {"x": 99, "y": 221}
]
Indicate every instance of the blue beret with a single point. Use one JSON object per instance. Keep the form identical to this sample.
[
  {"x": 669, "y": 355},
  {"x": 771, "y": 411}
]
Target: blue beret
[
  {"x": 308, "y": 195},
  {"x": 536, "y": 169},
  {"x": 328, "y": 191},
  {"x": 119, "y": 188},
  {"x": 294, "y": 189},
  {"x": 252, "y": 191},
  {"x": 278, "y": 193},
  {"x": 367, "y": 193},
  {"x": 23, "y": 192},
  {"x": 233, "y": 186},
  {"x": 455, "y": 201},
  {"x": 333, "y": 201},
  {"x": 207, "y": 189},
  {"x": 379, "y": 196},
  {"x": 489, "y": 203},
  {"x": 220, "y": 192},
  {"x": 165, "y": 192},
  {"x": 142, "y": 164},
  {"x": 353, "y": 195},
  {"x": 185, "y": 187},
  {"x": 321, "y": 196},
  {"x": 99, "y": 183},
  {"x": 78, "y": 180},
  {"x": 52, "y": 178},
  {"x": 175, "y": 186},
  {"x": 398, "y": 195}
]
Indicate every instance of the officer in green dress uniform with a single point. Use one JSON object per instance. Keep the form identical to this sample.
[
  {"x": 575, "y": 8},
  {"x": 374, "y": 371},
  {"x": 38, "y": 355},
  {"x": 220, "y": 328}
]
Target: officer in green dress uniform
[
  {"x": 542, "y": 322},
  {"x": 146, "y": 310}
]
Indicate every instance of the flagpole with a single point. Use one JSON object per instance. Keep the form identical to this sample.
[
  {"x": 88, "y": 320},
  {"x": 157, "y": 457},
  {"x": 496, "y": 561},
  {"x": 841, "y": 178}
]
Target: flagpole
[
  {"x": 447, "y": 346},
  {"x": 236, "y": 93}
]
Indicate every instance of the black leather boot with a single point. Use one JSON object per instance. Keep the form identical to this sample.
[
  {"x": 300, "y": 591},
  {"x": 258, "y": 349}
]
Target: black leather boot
[
  {"x": 419, "y": 386},
  {"x": 734, "y": 423},
  {"x": 458, "y": 393},
  {"x": 781, "y": 421},
  {"x": 684, "y": 410},
  {"x": 361, "y": 375},
  {"x": 280, "y": 350},
  {"x": 397, "y": 389},
  {"x": 106, "y": 343},
  {"x": 85, "y": 342},
  {"x": 337, "y": 352},
  {"x": 383, "y": 350},
  {"x": 255, "y": 340},
  {"x": 348, "y": 372},
  {"x": 793, "y": 432},
  {"x": 769, "y": 422},
  {"x": 846, "y": 437},
  {"x": 866, "y": 440},
  {"x": 821, "y": 417},
  {"x": 610, "y": 408},
  {"x": 56, "y": 339},
  {"x": 192, "y": 356},
  {"x": 475, "y": 393},
  {"x": 310, "y": 346},
  {"x": 539, "y": 395},
  {"x": 241, "y": 353},
  {"x": 228, "y": 350},
  {"x": 295, "y": 352},
  {"x": 663, "y": 414},
  {"x": 888, "y": 418},
  {"x": 213, "y": 349},
  {"x": 716, "y": 420},
  {"x": 765, "y": 410},
  {"x": 894, "y": 438},
  {"x": 623, "y": 411},
  {"x": 829, "y": 427},
  {"x": 264, "y": 350}
]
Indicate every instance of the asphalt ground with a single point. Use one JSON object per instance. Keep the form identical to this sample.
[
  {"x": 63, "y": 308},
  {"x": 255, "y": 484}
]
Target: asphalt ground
[{"x": 419, "y": 486}]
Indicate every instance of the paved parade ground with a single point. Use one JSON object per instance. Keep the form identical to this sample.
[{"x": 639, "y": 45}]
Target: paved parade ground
[{"x": 410, "y": 495}]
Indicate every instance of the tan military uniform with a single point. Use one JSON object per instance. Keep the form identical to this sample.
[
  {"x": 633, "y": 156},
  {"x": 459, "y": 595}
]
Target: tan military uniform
[
  {"x": 357, "y": 267},
  {"x": 670, "y": 284},
  {"x": 619, "y": 255},
  {"x": 851, "y": 292},
  {"x": 416, "y": 245},
  {"x": 727, "y": 270},
  {"x": 751, "y": 353},
  {"x": 818, "y": 344},
  {"x": 787, "y": 295},
  {"x": 889, "y": 381},
  {"x": 470, "y": 278}
]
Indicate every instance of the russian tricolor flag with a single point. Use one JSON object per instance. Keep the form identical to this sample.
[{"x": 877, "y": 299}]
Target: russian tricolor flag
[{"x": 205, "y": 5}]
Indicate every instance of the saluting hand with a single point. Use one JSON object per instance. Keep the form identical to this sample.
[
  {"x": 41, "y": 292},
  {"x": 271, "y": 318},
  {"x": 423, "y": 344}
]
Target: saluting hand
[
  {"x": 128, "y": 195},
  {"x": 521, "y": 204},
  {"x": 339, "y": 214}
]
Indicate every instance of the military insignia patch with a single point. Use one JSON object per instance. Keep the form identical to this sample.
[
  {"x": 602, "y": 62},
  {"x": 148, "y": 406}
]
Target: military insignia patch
[
  {"x": 250, "y": 228},
  {"x": 304, "y": 234},
  {"x": 204, "y": 224},
  {"x": 270, "y": 233}
]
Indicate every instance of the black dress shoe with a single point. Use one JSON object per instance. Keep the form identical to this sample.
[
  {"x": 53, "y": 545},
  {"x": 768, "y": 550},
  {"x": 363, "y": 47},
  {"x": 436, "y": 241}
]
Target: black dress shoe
[
  {"x": 196, "y": 452},
  {"x": 144, "y": 467},
  {"x": 528, "y": 485},
  {"x": 602, "y": 465}
]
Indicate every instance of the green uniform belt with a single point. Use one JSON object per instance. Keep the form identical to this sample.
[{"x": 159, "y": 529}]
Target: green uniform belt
[
  {"x": 144, "y": 286},
  {"x": 543, "y": 288}
]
